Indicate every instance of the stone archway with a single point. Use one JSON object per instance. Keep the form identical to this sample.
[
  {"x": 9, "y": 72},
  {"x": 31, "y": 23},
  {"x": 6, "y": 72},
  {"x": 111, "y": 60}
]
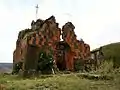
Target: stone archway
[{"x": 61, "y": 49}]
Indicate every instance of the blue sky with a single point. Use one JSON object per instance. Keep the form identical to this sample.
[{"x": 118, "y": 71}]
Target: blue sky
[{"x": 97, "y": 22}]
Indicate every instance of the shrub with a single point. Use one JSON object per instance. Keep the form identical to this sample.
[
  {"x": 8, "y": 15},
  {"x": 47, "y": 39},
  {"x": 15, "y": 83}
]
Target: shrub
[
  {"x": 45, "y": 62},
  {"x": 106, "y": 67}
]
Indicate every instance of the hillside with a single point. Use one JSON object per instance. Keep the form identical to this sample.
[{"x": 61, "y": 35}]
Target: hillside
[
  {"x": 5, "y": 67},
  {"x": 112, "y": 52}
]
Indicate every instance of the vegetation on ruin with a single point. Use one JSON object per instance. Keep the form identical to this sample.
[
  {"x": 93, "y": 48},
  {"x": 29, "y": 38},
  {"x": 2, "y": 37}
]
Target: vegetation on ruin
[{"x": 45, "y": 63}]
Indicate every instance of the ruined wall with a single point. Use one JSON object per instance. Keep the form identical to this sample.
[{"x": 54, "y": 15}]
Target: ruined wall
[
  {"x": 78, "y": 49},
  {"x": 44, "y": 35}
]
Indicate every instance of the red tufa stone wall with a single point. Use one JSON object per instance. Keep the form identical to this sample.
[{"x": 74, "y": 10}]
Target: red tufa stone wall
[
  {"x": 46, "y": 37},
  {"x": 78, "y": 49}
]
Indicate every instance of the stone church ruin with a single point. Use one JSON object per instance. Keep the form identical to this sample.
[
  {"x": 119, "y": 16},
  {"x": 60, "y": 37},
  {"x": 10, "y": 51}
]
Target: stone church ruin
[{"x": 35, "y": 46}]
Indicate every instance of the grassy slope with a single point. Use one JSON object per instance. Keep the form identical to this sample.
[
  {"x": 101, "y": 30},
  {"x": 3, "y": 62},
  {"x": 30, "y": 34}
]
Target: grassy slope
[
  {"x": 58, "y": 82},
  {"x": 112, "y": 51}
]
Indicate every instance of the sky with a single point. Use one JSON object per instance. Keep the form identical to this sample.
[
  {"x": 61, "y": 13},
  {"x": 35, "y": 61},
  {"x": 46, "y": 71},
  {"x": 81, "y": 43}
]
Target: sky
[{"x": 97, "y": 22}]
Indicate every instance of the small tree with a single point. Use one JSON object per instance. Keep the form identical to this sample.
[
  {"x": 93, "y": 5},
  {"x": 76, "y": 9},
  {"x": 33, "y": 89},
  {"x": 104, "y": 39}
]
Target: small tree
[{"x": 45, "y": 63}]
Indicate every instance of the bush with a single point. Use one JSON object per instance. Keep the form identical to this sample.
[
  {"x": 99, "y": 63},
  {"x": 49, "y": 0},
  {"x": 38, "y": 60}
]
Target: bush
[
  {"x": 106, "y": 67},
  {"x": 45, "y": 63}
]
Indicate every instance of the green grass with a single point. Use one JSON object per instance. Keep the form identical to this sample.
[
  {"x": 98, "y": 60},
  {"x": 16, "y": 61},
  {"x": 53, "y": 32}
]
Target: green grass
[{"x": 58, "y": 82}]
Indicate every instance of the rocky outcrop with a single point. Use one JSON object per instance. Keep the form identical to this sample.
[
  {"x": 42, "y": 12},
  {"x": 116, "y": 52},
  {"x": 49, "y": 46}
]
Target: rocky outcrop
[{"x": 44, "y": 35}]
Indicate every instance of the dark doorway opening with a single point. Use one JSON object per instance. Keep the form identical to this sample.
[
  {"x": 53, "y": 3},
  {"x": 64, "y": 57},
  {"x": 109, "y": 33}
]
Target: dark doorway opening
[{"x": 61, "y": 48}]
